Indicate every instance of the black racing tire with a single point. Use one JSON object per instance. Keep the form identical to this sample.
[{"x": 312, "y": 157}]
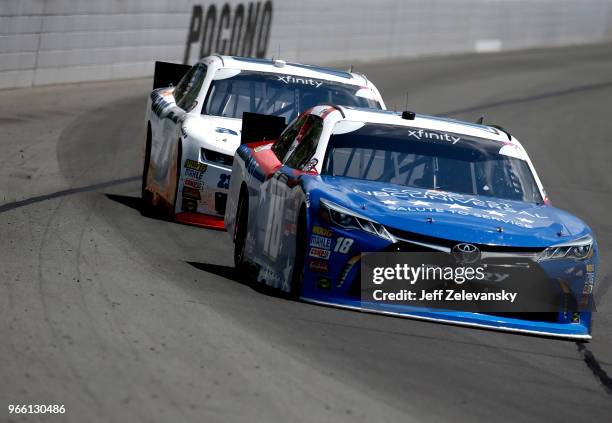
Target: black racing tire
[
  {"x": 146, "y": 196},
  {"x": 179, "y": 160},
  {"x": 300, "y": 256},
  {"x": 240, "y": 234}
]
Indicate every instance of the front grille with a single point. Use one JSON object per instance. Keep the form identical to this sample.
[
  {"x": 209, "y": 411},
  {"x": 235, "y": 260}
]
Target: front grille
[
  {"x": 216, "y": 157},
  {"x": 407, "y": 236}
]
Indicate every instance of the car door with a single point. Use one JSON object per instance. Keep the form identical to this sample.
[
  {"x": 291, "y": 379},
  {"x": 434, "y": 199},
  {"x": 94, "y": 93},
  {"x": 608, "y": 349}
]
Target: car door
[
  {"x": 185, "y": 95},
  {"x": 280, "y": 149},
  {"x": 163, "y": 106},
  {"x": 279, "y": 204}
]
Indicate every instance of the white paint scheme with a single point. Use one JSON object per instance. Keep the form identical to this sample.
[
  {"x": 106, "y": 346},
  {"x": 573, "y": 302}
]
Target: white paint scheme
[
  {"x": 171, "y": 125},
  {"x": 357, "y": 117}
]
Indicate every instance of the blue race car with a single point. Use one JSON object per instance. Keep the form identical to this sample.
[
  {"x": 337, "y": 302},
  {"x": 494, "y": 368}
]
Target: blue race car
[{"x": 340, "y": 181}]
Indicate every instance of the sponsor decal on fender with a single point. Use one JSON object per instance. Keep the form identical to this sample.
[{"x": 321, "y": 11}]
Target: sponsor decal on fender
[
  {"x": 193, "y": 184},
  {"x": 318, "y": 266},
  {"x": 194, "y": 174},
  {"x": 197, "y": 166},
  {"x": 320, "y": 242},
  {"x": 191, "y": 193},
  {"x": 323, "y": 282},
  {"x": 319, "y": 253},
  {"x": 318, "y": 230}
]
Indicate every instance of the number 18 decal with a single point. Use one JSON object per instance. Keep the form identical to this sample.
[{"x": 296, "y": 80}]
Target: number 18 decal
[{"x": 343, "y": 245}]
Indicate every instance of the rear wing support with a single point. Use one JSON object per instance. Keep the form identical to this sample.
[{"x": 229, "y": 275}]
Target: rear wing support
[
  {"x": 168, "y": 74},
  {"x": 258, "y": 127}
]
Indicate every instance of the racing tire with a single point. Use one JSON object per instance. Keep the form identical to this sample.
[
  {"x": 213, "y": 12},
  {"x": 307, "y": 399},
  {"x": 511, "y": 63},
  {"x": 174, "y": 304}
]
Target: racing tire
[
  {"x": 300, "y": 257},
  {"x": 240, "y": 235},
  {"x": 179, "y": 160},
  {"x": 146, "y": 196}
]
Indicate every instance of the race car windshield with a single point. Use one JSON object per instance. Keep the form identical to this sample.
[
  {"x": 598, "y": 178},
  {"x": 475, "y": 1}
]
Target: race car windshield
[
  {"x": 278, "y": 95},
  {"x": 431, "y": 160}
]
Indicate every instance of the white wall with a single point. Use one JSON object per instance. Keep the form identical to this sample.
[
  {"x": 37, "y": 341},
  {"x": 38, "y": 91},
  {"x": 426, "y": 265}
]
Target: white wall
[{"x": 58, "y": 41}]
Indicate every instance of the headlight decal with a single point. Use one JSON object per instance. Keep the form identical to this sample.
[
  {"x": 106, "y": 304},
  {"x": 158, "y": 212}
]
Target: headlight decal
[
  {"x": 335, "y": 214},
  {"x": 580, "y": 249}
]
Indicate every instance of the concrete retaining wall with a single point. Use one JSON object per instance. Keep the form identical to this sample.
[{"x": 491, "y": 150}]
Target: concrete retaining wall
[{"x": 60, "y": 41}]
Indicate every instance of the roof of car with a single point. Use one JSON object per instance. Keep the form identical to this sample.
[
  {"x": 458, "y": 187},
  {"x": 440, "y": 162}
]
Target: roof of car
[
  {"x": 296, "y": 69},
  {"x": 435, "y": 123}
]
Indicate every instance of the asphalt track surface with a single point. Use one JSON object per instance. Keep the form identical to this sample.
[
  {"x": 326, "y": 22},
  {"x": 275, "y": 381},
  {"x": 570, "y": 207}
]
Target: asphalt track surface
[{"x": 126, "y": 318}]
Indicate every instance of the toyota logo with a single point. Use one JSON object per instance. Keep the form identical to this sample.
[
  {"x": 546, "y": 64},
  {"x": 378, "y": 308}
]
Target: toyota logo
[{"x": 466, "y": 253}]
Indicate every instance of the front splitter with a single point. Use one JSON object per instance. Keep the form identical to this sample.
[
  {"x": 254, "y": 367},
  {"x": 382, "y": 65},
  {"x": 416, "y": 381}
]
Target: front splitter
[{"x": 496, "y": 327}]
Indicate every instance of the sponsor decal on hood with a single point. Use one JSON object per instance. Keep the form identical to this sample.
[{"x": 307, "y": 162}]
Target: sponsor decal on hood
[{"x": 415, "y": 200}]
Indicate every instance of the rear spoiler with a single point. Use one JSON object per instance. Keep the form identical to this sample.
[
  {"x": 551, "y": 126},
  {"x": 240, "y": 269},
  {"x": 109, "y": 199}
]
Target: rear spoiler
[
  {"x": 168, "y": 74},
  {"x": 258, "y": 127}
]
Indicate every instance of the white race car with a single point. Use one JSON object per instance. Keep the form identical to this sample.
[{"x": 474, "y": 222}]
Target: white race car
[{"x": 194, "y": 128}]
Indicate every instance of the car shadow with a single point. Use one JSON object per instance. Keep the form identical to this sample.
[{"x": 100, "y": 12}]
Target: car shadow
[
  {"x": 131, "y": 202},
  {"x": 137, "y": 204},
  {"x": 152, "y": 213},
  {"x": 230, "y": 273}
]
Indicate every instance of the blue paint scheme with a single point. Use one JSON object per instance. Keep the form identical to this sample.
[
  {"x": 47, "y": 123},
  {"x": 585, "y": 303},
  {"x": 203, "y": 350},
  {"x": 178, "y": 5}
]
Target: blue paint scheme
[
  {"x": 275, "y": 201},
  {"x": 462, "y": 228},
  {"x": 454, "y": 224}
]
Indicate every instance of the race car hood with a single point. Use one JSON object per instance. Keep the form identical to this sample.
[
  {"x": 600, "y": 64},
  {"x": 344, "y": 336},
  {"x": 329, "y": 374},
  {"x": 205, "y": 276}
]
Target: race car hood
[
  {"x": 477, "y": 219},
  {"x": 213, "y": 132}
]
